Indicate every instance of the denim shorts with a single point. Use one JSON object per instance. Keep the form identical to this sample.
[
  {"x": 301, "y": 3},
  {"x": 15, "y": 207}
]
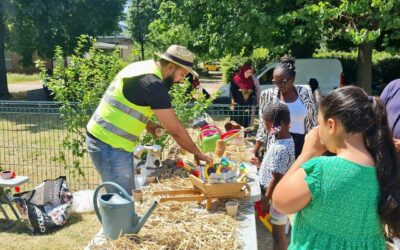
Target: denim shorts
[{"x": 113, "y": 164}]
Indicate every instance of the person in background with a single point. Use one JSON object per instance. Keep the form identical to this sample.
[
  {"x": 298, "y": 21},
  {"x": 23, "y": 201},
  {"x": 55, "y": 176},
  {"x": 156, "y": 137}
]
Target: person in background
[
  {"x": 195, "y": 85},
  {"x": 136, "y": 93},
  {"x": 276, "y": 162},
  {"x": 316, "y": 91},
  {"x": 243, "y": 95},
  {"x": 299, "y": 99},
  {"x": 391, "y": 98},
  {"x": 344, "y": 201}
]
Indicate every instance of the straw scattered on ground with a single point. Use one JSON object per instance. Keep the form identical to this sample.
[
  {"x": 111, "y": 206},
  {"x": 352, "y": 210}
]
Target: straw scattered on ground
[{"x": 185, "y": 225}]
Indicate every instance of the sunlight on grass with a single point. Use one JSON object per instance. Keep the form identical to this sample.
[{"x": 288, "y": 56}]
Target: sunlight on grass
[
  {"x": 76, "y": 234},
  {"x": 30, "y": 142},
  {"x": 18, "y": 78}
]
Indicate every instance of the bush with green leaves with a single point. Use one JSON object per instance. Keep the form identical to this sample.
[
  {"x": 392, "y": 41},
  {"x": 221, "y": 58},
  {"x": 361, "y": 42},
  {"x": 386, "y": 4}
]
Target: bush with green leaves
[
  {"x": 78, "y": 84},
  {"x": 385, "y": 67},
  {"x": 78, "y": 87},
  {"x": 231, "y": 64},
  {"x": 188, "y": 104}
]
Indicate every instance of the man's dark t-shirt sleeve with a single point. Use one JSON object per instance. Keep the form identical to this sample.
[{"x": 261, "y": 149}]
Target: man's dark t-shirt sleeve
[{"x": 147, "y": 90}]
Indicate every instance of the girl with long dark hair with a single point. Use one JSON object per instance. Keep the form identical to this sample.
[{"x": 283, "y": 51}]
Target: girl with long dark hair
[{"x": 344, "y": 201}]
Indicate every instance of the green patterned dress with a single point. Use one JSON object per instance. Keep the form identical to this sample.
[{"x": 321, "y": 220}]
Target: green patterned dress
[{"x": 343, "y": 212}]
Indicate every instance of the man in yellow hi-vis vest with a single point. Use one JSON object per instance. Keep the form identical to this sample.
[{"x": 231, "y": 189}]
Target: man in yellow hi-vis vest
[{"x": 136, "y": 93}]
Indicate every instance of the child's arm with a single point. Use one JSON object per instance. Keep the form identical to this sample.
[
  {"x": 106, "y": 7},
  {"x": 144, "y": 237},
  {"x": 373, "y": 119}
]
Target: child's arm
[
  {"x": 255, "y": 161},
  {"x": 279, "y": 164},
  {"x": 292, "y": 193},
  {"x": 276, "y": 177}
]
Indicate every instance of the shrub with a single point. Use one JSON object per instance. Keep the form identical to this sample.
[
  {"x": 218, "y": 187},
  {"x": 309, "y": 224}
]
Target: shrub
[
  {"x": 385, "y": 67},
  {"x": 79, "y": 87},
  {"x": 186, "y": 110},
  {"x": 231, "y": 64}
]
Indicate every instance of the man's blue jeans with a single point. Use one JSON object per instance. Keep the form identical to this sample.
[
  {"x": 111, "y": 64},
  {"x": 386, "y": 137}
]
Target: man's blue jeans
[{"x": 113, "y": 164}]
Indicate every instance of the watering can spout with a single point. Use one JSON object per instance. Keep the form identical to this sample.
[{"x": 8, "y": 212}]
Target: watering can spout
[{"x": 144, "y": 218}]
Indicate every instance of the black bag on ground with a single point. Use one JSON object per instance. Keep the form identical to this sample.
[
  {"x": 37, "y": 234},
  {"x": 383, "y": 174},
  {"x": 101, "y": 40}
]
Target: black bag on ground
[{"x": 47, "y": 206}]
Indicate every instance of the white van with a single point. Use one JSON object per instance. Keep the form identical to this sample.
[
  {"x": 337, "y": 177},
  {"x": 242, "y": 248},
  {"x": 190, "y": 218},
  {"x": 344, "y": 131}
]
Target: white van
[{"x": 328, "y": 72}]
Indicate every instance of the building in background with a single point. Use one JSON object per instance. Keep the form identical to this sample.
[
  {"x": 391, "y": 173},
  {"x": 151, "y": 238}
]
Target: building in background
[{"x": 107, "y": 43}]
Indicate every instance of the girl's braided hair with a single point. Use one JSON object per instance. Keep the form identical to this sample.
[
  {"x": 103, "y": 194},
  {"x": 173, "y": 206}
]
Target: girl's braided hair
[{"x": 277, "y": 113}]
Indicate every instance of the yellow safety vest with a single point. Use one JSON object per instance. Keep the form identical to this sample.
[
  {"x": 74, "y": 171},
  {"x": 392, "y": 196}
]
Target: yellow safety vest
[{"x": 117, "y": 121}]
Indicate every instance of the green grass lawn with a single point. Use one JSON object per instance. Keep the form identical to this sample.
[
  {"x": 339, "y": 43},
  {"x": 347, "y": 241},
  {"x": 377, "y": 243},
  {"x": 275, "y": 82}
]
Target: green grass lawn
[
  {"x": 19, "y": 78},
  {"x": 29, "y": 143},
  {"x": 76, "y": 234}
]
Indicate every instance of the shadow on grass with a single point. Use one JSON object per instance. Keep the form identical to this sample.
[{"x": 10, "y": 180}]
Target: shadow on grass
[
  {"x": 21, "y": 227},
  {"x": 30, "y": 95}
]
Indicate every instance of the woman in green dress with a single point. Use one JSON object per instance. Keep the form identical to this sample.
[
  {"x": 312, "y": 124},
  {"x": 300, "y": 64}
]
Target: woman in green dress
[{"x": 344, "y": 201}]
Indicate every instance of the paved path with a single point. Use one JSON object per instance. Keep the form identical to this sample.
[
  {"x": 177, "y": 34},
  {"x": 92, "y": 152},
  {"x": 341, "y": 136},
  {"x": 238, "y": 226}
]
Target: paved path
[
  {"x": 33, "y": 91},
  {"x": 27, "y": 91}
]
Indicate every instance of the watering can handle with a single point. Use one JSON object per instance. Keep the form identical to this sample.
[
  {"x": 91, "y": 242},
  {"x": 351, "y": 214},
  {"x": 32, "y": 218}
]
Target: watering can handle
[
  {"x": 121, "y": 191},
  {"x": 209, "y": 127},
  {"x": 205, "y": 130}
]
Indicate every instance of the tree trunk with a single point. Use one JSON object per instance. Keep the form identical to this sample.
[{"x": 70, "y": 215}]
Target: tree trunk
[
  {"x": 4, "y": 93},
  {"x": 139, "y": 33},
  {"x": 364, "y": 66},
  {"x": 142, "y": 48}
]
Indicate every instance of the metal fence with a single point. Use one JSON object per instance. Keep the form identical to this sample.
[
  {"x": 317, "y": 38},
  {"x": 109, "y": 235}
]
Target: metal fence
[{"x": 31, "y": 134}]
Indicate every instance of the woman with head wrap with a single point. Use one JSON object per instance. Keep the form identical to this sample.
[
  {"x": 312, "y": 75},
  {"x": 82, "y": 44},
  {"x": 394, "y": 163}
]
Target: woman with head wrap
[{"x": 242, "y": 95}]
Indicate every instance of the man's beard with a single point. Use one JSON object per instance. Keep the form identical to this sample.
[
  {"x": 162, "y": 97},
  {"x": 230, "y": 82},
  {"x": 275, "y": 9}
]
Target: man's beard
[{"x": 169, "y": 80}]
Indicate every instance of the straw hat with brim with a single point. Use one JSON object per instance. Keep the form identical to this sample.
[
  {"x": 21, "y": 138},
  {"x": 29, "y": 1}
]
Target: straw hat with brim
[{"x": 180, "y": 56}]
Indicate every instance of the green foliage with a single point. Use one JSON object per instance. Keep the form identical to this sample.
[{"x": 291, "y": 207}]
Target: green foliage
[
  {"x": 385, "y": 67},
  {"x": 213, "y": 30},
  {"x": 164, "y": 31},
  {"x": 187, "y": 105},
  {"x": 140, "y": 14},
  {"x": 361, "y": 21},
  {"x": 79, "y": 87},
  {"x": 231, "y": 64},
  {"x": 40, "y": 26},
  {"x": 259, "y": 57}
]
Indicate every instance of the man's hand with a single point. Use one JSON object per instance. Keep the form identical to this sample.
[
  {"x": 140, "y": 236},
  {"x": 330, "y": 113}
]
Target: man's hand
[
  {"x": 151, "y": 128},
  {"x": 203, "y": 157},
  {"x": 397, "y": 144}
]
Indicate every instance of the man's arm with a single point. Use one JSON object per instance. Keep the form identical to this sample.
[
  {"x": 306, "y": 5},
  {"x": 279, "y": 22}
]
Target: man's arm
[{"x": 170, "y": 122}]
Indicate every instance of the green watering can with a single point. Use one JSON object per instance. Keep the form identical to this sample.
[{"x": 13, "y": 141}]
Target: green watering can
[
  {"x": 117, "y": 212},
  {"x": 209, "y": 135}
]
